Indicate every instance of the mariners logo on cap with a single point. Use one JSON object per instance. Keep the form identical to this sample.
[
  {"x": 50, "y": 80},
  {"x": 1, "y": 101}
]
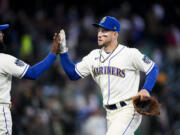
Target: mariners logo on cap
[{"x": 103, "y": 20}]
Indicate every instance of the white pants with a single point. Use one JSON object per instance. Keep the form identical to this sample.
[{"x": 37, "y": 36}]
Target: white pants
[
  {"x": 5, "y": 120},
  {"x": 123, "y": 121}
]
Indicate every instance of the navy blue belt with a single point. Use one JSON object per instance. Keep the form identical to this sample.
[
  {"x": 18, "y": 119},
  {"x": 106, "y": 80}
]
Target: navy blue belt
[{"x": 114, "y": 106}]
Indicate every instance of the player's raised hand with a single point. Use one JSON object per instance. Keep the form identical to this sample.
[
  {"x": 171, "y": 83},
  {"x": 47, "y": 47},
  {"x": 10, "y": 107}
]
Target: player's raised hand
[
  {"x": 63, "y": 47},
  {"x": 56, "y": 43}
]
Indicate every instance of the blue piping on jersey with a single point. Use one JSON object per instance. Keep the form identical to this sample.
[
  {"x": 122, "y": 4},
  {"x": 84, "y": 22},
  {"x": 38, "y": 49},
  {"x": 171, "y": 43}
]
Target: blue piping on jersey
[
  {"x": 7, "y": 132},
  {"x": 150, "y": 68},
  {"x": 109, "y": 74},
  {"x": 129, "y": 123},
  {"x": 79, "y": 72},
  {"x": 24, "y": 71},
  {"x": 108, "y": 87}
]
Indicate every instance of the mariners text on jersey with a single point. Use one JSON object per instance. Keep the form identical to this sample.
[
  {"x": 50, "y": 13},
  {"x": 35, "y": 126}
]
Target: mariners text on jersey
[{"x": 102, "y": 70}]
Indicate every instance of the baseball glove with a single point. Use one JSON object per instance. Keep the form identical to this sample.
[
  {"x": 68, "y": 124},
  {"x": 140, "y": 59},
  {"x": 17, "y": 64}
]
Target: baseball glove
[{"x": 148, "y": 107}]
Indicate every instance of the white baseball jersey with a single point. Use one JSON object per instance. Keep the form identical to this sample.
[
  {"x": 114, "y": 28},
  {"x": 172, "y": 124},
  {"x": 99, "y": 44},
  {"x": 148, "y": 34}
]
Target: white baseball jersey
[
  {"x": 117, "y": 74},
  {"x": 9, "y": 66}
]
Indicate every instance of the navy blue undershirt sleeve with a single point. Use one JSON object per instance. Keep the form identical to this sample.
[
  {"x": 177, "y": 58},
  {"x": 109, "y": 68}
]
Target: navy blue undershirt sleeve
[
  {"x": 35, "y": 71},
  {"x": 151, "y": 79},
  {"x": 68, "y": 66}
]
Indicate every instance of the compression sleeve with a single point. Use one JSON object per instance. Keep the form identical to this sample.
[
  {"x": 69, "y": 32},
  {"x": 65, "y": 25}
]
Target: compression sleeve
[
  {"x": 68, "y": 66},
  {"x": 35, "y": 71},
  {"x": 151, "y": 79}
]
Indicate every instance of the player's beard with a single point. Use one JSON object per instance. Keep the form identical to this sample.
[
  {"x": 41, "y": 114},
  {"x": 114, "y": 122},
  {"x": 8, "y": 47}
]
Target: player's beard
[
  {"x": 2, "y": 47},
  {"x": 105, "y": 44}
]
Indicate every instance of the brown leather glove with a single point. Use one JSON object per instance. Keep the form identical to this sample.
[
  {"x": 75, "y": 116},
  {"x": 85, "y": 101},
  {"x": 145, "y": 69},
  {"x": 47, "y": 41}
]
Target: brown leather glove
[{"x": 149, "y": 107}]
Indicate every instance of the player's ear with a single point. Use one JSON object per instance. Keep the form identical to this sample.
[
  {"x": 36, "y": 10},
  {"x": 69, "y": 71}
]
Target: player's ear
[{"x": 116, "y": 34}]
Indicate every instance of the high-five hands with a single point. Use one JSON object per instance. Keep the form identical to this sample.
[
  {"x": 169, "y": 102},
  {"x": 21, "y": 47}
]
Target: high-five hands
[{"x": 59, "y": 43}]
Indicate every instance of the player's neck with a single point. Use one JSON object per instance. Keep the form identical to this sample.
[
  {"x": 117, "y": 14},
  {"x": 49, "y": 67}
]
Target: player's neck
[{"x": 111, "y": 47}]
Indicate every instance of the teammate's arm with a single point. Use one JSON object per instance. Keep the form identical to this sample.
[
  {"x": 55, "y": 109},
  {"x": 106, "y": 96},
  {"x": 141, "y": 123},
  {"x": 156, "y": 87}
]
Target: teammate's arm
[
  {"x": 35, "y": 71},
  {"x": 67, "y": 64}
]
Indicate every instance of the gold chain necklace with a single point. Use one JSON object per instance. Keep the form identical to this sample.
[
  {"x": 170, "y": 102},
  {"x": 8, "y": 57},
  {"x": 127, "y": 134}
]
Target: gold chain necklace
[{"x": 102, "y": 61}]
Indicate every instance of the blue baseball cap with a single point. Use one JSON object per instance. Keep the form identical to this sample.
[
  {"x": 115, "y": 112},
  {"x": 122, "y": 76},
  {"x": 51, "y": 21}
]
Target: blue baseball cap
[
  {"x": 109, "y": 23},
  {"x": 4, "y": 26}
]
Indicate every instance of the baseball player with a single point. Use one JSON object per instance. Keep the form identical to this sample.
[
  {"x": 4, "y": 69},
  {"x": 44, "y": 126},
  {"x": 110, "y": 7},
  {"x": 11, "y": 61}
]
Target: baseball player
[
  {"x": 11, "y": 66},
  {"x": 116, "y": 69}
]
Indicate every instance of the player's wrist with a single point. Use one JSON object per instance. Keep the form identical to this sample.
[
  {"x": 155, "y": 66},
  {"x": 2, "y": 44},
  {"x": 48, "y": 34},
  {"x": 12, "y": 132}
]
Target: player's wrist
[
  {"x": 63, "y": 49},
  {"x": 54, "y": 53},
  {"x": 145, "y": 92},
  {"x": 146, "y": 88}
]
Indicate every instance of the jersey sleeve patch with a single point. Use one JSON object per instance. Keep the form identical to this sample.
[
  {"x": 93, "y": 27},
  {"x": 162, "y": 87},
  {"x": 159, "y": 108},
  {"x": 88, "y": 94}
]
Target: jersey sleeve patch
[
  {"x": 146, "y": 60},
  {"x": 19, "y": 63}
]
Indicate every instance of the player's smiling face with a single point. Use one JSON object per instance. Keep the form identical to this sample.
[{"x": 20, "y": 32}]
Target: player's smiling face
[{"x": 104, "y": 36}]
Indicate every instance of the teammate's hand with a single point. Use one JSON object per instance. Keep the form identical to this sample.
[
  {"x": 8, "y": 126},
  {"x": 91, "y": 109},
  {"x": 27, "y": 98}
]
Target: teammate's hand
[
  {"x": 56, "y": 43},
  {"x": 143, "y": 94},
  {"x": 63, "y": 47}
]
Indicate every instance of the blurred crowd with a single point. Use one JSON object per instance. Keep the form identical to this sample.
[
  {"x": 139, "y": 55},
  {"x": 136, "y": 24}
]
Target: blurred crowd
[{"x": 54, "y": 105}]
